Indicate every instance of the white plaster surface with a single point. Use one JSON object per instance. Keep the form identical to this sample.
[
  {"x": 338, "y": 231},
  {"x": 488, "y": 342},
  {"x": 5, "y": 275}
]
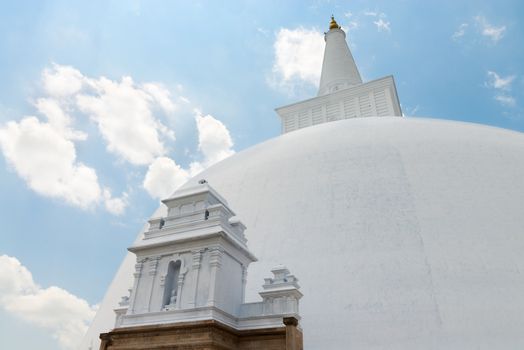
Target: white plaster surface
[
  {"x": 339, "y": 70},
  {"x": 405, "y": 233},
  {"x": 377, "y": 98}
]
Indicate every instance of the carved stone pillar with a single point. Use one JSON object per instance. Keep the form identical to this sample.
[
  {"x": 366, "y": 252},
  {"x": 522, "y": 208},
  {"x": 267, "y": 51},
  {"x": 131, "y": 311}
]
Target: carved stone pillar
[
  {"x": 153, "y": 266},
  {"x": 197, "y": 257},
  {"x": 244, "y": 282},
  {"x": 137, "y": 274},
  {"x": 180, "y": 283},
  {"x": 215, "y": 261}
]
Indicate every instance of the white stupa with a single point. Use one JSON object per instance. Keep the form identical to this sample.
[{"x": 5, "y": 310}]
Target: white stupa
[{"x": 407, "y": 233}]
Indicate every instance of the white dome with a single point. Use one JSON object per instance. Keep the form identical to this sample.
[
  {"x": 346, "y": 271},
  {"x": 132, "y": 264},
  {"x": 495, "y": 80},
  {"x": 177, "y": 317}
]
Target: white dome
[{"x": 404, "y": 233}]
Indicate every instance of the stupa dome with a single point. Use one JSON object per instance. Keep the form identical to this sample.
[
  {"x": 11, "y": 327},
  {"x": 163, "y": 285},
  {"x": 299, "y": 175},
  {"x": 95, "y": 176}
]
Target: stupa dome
[{"x": 406, "y": 233}]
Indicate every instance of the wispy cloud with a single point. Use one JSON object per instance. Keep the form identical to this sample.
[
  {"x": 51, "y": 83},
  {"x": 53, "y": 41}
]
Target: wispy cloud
[
  {"x": 409, "y": 111},
  {"x": 481, "y": 26},
  {"x": 492, "y": 32},
  {"x": 498, "y": 82},
  {"x": 502, "y": 87},
  {"x": 351, "y": 25},
  {"x": 461, "y": 30},
  {"x": 263, "y": 31},
  {"x": 374, "y": 14},
  {"x": 382, "y": 25},
  {"x": 505, "y": 100}
]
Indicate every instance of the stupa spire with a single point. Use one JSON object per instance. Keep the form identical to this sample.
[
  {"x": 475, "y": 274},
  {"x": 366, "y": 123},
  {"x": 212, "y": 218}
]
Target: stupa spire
[{"x": 339, "y": 70}]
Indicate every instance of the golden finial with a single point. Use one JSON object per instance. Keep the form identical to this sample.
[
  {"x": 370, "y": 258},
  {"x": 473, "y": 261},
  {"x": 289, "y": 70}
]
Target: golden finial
[{"x": 333, "y": 24}]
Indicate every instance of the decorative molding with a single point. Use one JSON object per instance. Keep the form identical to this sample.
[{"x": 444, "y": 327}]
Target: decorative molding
[
  {"x": 244, "y": 282},
  {"x": 197, "y": 257},
  {"x": 215, "y": 257},
  {"x": 355, "y": 101},
  {"x": 153, "y": 265},
  {"x": 215, "y": 262},
  {"x": 138, "y": 267}
]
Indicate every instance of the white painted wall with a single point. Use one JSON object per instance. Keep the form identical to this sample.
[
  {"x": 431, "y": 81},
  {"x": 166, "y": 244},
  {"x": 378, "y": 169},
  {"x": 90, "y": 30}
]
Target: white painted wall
[
  {"x": 377, "y": 98},
  {"x": 339, "y": 70}
]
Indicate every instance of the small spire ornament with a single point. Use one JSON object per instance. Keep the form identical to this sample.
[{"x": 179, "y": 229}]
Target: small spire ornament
[{"x": 333, "y": 24}]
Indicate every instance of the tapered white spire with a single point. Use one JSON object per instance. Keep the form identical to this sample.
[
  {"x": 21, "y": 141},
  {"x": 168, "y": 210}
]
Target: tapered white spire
[
  {"x": 341, "y": 94},
  {"x": 339, "y": 70}
]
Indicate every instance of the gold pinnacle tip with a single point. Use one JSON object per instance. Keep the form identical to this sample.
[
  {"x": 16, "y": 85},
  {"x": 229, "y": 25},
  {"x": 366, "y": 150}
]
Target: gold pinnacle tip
[{"x": 333, "y": 24}]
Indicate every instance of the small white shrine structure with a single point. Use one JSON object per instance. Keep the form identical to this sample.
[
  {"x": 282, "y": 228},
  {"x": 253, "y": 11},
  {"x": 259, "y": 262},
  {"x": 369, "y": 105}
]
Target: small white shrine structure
[{"x": 191, "y": 265}]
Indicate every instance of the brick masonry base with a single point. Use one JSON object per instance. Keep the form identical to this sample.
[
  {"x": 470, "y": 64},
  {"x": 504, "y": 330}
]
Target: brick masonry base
[{"x": 203, "y": 335}]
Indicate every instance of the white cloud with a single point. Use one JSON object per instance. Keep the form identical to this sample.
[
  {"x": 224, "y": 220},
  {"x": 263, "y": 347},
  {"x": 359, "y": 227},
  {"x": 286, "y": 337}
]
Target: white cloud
[
  {"x": 506, "y": 100},
  {"x": 263, "y": 31},
  {"x": 46, "y": 159},
  {"x": 44, "y": 153},
  {"x": 298, "y": 57},
  {"x": 62, "y": 81},
  {"x": 461, "y": 30},
  {"x": 115, "y": 206},
  {"x": 58, "y": 118},
  {"x": 54, "y": 309},
  {"x": 382, "y": 25},
  {"x": 490, "y": 31},
  {"x": 498, "y": 82},
  {"x": 502, "y": 86},
  {"x": 161, "y": 95},
  {"x": 124, "y": 117},
  {"x": 128, "y": 116},
  {"x": 214, "y": 140},
  {"x": 122, "y": 110},
  {"x": 374, "y": 14},
  {"x": 408, "y": 111},
  {"x": 495, "y": 33},
  {"x": 163, "y": 177}
]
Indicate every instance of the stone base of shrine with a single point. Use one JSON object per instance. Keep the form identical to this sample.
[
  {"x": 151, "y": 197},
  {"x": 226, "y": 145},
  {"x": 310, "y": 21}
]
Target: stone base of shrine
[{"x": 204, "y": 335}]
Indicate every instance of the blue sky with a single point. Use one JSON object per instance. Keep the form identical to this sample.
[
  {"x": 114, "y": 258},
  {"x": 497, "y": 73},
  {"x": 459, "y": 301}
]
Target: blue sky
[{"x": 106, "y": 106}]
